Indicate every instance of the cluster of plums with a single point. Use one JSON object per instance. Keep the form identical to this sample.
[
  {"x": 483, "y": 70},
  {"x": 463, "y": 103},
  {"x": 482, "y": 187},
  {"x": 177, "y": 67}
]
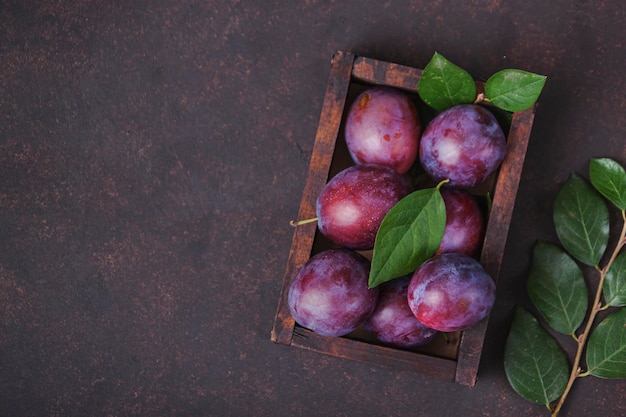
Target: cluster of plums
[{"x": 449, "y": 292}]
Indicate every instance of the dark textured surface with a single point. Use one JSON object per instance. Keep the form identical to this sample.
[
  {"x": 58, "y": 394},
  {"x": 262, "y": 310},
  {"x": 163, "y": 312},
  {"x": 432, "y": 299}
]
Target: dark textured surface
[{"x": 153, "y": 153}]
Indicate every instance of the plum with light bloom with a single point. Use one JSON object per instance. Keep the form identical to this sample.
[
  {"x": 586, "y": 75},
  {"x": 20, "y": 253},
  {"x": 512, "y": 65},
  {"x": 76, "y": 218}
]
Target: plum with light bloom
[
  {"x": 354, "y": 202},
  {"x": 330, "y": 295},
  {"x": 383, "y": 127},
  {"x": 464, "y": 144},
  {"x": 451, "y": 292},
  {"x": 465, "y": 223},
  {"x": 392, "y": 321}
]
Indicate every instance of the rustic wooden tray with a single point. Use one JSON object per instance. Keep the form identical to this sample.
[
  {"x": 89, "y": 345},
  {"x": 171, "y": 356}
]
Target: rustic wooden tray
[{"x": 457, "y": 357}]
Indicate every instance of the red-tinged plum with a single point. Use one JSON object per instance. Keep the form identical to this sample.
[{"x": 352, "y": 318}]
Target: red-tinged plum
[
  {"x": 383, "y": 127},
  {"x": 464, "y": 144},
  {"x": 465, "y": 223},
  {"x": 393, "y": 322},
  {"x": 330, "y": 295},
  {"x": 451, "y": 292},
  {"x": 354, "y": 202}
]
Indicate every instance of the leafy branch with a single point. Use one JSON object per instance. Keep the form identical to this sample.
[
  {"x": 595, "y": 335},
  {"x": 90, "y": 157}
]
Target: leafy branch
[
  {"x": 596, "y": 307},
  {"x": 558, "y": 289}
]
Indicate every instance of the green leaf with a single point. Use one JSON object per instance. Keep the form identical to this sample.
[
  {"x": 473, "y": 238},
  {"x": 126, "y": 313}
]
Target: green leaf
[
  {"x": 535, "y": 365},
  {"x": 443, "y": 84},
  {"x": 513, "y": 89},
  {"x": 614, "y": 286},
  {"x": 556, "y": 286},
  {"x": 609, "y": 178},
  {"x": 581, "y": 218},
  {"x": 606, "y": 348},
  {"x": 409, "y": 234}
]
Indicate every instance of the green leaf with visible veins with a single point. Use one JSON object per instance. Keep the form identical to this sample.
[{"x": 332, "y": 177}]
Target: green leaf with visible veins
[
  {"x": 514, "y": 90},
  {"x": 444, "y": 84},
  {"x": 556, "y": 286},
  {"x": 409, "y": 234},
  {"x": 614, "y": 286},
  {"x": 535, "y": 365},
  {"x": 581, "y": 218},
  {"x": 609, "y": 177},
  {"x": 606, "y": 348}
]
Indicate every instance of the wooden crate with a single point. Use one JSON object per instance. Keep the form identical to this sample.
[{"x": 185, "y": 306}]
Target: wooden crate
[{"x": 457, "y": 357}]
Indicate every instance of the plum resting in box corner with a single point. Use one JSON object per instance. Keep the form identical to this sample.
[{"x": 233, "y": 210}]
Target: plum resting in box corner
[{"x": 457, "y": 358}]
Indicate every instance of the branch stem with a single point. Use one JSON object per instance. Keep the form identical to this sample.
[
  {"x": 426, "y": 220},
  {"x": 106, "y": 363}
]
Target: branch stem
[{"x": 597, "y": 306}]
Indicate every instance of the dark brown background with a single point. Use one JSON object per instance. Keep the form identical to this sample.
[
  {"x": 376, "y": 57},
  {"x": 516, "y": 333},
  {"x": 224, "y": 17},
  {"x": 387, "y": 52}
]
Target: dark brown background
[{"x": 152, "y": 154}]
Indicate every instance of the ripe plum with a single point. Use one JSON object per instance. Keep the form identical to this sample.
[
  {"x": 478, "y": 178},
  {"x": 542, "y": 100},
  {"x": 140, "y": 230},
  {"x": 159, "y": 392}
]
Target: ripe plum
[
  {"x": 393, "y": 322},
  {"x": 330, "y": 295},
  {"x": 383, "y": 127},
  {"x": 464, "y": 144},
  {"x": 465, "y": 224},
  {"x": 354, "y": 202},
  {"x": 451, "y": 292}
]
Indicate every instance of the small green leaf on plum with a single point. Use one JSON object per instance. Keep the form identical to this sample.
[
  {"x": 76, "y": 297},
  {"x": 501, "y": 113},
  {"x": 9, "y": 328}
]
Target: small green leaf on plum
[
  {"x": 410, "y": 233},
  {"x": 514, "y": 90},
  {"x": 444, "y": 84}
]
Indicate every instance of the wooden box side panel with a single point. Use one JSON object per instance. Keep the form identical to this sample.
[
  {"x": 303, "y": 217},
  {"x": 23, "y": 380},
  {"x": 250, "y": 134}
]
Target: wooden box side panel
[
  {"x": 372, "y": 71},
  {"x": 505, "y": 191},
  {"x": 321, "y": 157},
  {"x": 375, "y": 354}
]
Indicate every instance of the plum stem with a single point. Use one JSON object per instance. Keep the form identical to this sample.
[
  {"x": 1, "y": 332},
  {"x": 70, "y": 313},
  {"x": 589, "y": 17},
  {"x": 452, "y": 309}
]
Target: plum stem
[
  {"x": 576, "y": 371},
  {"x": 301, "y": 222},
  {"x": 442, "y": 182}
]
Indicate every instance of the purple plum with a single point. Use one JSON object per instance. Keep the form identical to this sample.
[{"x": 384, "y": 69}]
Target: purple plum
[
  {"x": 330, "y": 295},
  {"x": 451, "y": 292},
  {"x": 383, "y": 127},
  {"x": 464, "y": 144},
  {"x": 354, "y": 202},
  {"x": 393, "y": 322},
  {"x": 465, "y": 223}
]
